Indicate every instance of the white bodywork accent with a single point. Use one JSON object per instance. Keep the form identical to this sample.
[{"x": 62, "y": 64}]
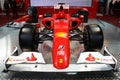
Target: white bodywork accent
[
  {"x": 65, "y": 6},
  {"x": 23, "y": 58},
  {"x": 99, "y": 58},
  {"x": 50, "y": 68},
  {"x": 18, "y": 24},
  {"x": 100, "y": 63}
]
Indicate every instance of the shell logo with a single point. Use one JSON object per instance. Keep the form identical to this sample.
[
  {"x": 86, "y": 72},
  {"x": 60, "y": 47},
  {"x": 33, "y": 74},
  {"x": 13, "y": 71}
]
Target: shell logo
[
  {"x": 60, "y": 61},
  {"x": 10, "y": 59},
  {"x": 61, "y": 34}
]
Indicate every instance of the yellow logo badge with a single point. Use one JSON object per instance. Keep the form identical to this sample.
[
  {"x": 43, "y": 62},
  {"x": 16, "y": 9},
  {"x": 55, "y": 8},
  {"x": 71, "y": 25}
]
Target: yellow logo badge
[
  {"x": 61, "y": 34},
  {"x": 61, "y": 61}
]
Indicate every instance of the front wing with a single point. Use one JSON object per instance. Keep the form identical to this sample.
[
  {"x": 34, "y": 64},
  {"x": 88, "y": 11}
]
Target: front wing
[{"x": 87, "y": 61}]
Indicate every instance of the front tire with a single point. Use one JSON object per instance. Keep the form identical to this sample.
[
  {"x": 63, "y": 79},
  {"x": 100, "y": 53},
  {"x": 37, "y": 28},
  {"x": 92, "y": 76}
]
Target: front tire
[
  {"x": 28, "y": 38},
  {"x": 93, "y": 37}
]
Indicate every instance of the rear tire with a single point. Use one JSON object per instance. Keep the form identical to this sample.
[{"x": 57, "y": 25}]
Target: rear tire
[
  {"x": 32, "y": 11},
  {"x": 93, "y": 37},
  {"x": 28, "y": 38}
]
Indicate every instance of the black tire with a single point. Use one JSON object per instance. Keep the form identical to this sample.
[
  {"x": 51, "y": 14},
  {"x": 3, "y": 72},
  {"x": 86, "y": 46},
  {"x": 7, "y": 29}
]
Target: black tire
[
  {"x": 32, "y": 11},
  {"x": 93, "y": 37},
  {"x": 85, "y": 14},
  {"x": 28, "y": 38}
]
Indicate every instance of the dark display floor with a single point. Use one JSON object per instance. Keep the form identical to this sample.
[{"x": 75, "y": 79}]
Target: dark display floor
[{"x": 9, "y": 38}]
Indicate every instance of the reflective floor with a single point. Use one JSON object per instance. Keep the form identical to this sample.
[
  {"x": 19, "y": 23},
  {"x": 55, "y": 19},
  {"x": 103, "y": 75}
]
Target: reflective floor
[{"x": 9, "y": 37}]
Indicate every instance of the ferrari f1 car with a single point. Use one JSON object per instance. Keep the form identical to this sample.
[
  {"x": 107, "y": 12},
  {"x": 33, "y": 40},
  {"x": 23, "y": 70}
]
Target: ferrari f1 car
[{"x": 60, "y": 29}]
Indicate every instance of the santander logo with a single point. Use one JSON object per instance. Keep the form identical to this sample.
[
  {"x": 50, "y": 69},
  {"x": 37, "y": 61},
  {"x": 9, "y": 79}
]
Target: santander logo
[
  {"x": 90, "y": 58},
  {"x": 31, "y": 58}
]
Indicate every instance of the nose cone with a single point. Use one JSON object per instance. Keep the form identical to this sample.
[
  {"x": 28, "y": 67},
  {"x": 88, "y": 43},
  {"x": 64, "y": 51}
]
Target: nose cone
[{"x": 61, "y": 63}]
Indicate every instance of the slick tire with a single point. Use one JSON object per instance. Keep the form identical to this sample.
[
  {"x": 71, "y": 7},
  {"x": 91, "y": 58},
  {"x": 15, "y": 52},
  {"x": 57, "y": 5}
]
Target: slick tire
[
  {"x": 28, "y": 38},
  {"x": 93, "y": 37},
  {"x": 32, "y": 11}
]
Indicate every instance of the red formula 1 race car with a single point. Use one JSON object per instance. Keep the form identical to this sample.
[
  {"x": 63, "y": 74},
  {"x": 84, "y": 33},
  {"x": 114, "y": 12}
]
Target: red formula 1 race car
[{"x": 61, "y": 30}]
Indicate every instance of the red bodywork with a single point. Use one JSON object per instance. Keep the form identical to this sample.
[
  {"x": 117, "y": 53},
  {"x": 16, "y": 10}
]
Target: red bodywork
[
  {"x": 61, "y": 23},
  {"x": 24, "y": 18}
]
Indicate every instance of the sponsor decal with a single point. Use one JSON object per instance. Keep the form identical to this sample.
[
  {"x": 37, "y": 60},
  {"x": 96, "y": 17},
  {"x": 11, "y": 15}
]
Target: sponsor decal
[
  {"x": 20, "y": 59},
  {"x": 104, "y": 59},
  {"x": 90, "y": 57},
  {"x": 31, "y": 58},
  {"x": 61, "y": 47},
  {"x": 61, "y": 60},
  {"x": 16, "y": 60},
  {"x": 61, "y": 50},
  {"x": 61, "y": 34}
]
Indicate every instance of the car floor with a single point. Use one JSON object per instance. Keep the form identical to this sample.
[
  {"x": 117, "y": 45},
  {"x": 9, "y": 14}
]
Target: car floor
[{"x": 9, "y": 39}]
